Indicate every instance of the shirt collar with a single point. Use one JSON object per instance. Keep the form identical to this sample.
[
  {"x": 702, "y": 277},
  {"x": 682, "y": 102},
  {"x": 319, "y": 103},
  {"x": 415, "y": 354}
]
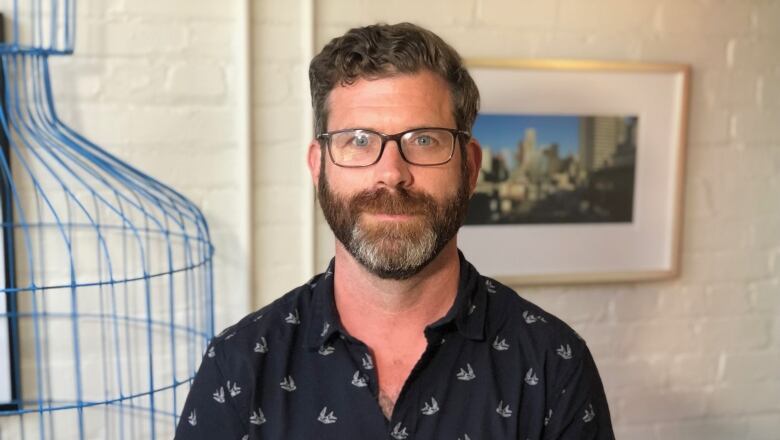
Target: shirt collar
[{"x": 468, "y": 312}]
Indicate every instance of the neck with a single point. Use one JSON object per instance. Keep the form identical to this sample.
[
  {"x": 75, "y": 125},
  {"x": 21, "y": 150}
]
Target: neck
[{"x": 368, "y": 304}]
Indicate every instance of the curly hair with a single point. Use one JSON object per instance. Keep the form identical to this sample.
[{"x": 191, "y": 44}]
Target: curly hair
[{"x": 384, "y": 50}]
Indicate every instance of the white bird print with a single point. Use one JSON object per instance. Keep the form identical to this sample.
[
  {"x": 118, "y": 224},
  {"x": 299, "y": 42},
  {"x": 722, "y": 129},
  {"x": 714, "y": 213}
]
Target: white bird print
[
  {"x": 431, "y": 409},
  {"x": 368, "y": 363},
  {"x": 500, "y": 345},
  {"x": 211, "y": 352},
  {"x": 325, "y": 329},
  {"x": 257, "y": 417},
  {"x": 326, "y": 350},
  {"x": 262, "y": 346},
  {"x": 471, "y": 310},
  {"x": 230, "y": 336},
  {"x": 564, "y": 351},
  {"x": 193, "y": 418},
  {"x": 590, "y": 414},
  {"x": 219, "y": 395},
  {"x": 245, "y": 437},
  {"x": 234, "y": 390},
  {"x": 326, "y": 417},
  {"x": 288, "y": 384},
  {"x": 293, "y": 318},
  {"x": 530, "y": 318},
  {"x": 549, "y": 416},
  {"x": 502, "y": 410},
  {"x": 467, "y": 374},
  {"x": 258, "y": 317},
  {"x": 399, "y": 433},
  {"x": 465, "y": 437},
  {"x": 358, "y": 380},
  {"x": 490, "y": 286},
  {"x": 531, "y": 378}
]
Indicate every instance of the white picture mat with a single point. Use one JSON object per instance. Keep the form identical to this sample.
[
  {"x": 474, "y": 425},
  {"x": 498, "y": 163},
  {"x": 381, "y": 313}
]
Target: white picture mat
[{"x": 569, "y": 251}]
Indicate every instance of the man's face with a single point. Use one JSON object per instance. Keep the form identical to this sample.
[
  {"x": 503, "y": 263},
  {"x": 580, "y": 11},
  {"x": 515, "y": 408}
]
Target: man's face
[{"x": 392, "y": 217}]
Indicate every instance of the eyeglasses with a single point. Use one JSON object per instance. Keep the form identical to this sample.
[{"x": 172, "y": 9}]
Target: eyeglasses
[{"x": 358, "y": 147}]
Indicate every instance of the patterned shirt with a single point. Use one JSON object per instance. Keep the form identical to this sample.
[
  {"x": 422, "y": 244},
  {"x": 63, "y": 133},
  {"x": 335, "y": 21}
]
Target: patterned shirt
[{"x": 495, "y": 367}]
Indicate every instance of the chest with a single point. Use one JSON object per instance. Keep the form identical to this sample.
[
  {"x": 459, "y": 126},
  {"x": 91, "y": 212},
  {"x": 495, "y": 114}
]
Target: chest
[{"x": 449, "y": 391}]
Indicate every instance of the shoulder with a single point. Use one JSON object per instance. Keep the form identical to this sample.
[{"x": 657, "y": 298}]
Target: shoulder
[
  {"x": 538, "y": 334},
  {"x": 275, "y": 324}
]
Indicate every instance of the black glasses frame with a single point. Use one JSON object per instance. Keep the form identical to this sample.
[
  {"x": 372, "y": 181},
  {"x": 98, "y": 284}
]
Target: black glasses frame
[{"x": 461, "y": 135}]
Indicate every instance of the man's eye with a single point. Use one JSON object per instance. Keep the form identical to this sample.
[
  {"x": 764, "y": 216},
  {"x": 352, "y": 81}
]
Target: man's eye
[
  {"x": 361, "y": 141},
  {"x": 424, "y": 140}
]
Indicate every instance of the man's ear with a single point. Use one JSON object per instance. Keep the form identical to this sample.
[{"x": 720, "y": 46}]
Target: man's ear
[
  {"x": 474, "y": 162},
  {"x": 314, "y": 157}
]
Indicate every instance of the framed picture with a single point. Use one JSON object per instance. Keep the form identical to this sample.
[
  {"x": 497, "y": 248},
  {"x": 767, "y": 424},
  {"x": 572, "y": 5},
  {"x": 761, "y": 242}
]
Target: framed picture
[{"x": 582, "y": 170}]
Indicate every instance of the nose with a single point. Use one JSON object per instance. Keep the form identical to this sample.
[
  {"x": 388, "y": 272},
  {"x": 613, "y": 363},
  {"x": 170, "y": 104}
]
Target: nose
[{"x": 392, "y": 170}]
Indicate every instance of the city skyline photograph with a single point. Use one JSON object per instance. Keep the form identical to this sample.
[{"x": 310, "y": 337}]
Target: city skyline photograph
[{"x": 555, "y": 169}]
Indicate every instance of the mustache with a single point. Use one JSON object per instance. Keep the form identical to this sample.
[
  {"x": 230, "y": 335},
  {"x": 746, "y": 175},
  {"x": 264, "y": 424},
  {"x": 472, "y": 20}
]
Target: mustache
[{"x": 399, "y": 201}]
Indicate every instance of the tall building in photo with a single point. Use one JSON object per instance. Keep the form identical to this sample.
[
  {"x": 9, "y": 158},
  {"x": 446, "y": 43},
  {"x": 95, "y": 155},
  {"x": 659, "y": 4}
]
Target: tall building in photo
[
  {"x": 526, "y": 148},
  {"x": 599, "y": 140}
]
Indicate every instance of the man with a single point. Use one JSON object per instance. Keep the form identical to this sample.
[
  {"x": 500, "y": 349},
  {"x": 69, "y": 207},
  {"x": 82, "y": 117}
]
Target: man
[{"x": 401, "y": 337}]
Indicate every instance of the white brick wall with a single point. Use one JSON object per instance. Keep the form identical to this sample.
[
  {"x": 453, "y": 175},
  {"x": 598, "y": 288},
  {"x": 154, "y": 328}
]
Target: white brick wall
[{"x": 697, "y": 357}]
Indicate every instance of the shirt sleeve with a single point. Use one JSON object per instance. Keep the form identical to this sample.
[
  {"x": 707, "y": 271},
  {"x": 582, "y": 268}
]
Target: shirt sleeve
[
  {"x": 579, "y": 411},
  {"x": 209, "y": 411}
]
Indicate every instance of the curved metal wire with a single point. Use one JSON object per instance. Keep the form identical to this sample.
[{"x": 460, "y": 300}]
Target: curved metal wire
[{"x": 111, "y": 298}]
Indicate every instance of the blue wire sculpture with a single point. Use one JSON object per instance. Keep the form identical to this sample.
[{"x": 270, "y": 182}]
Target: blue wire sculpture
[{"x": 108, "y": 271}]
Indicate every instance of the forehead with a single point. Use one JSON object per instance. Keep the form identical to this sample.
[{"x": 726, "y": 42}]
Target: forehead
[{"x": 392, "y": 103}]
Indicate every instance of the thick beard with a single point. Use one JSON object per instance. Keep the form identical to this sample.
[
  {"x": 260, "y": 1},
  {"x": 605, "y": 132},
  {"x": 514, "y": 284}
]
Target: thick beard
[{"x": 394, "y": 250}]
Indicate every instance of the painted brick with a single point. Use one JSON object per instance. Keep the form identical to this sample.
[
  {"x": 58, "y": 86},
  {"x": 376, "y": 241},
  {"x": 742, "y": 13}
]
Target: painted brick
[
  {"x": 752, "y": 367},
  {"x": 133, "y": 81},
  {"x": 755, "y": 53},
  {"x": 634, "y": 432},
  {"x": 278, "y": 124},
  {"x": 536, "y": 14},
  {"x": 276, "y": 164},
  {"x": 708, "y": 125},
  {"x": 733, "y": 265},
  {"x": 144, "y": 38},
  {"x": 622, "y": 376},
  {"x": 209, "y": 39},
  {"x": 173, "y": 9},
  {"x": 276, "y": 12},
  {"x": 637, "y": 303},
  {"x": 749, "y": 126},
  {"x": 363, "y": 12},
  {"x": 636, "y": 17},
  {"x": 196, "y": 80},
  {"x": 729, "y": 17},
  {"x": 765, "y": 296},
  {"x": 608, "y": 46},
  {"x": 743, "y": 398},
  {"x": 660, "y": 406},
  {"x": 275, "y": 42},
  {"x": 276, "y": 83},
  {"x": 763, "y": 427},
  {"x": 659, "y": 337},
  {"x": 280, "y": 204},
  {"x": 721, "y": 429},
  {"x": 691, "y": 371},
  {"x": 490, "y": 42},
  {"x": 182, "y": 124},
  {"x": 76, "y": 79},
  {"x": 733, "y": 334},
  {"x": 698, "y": 50}
]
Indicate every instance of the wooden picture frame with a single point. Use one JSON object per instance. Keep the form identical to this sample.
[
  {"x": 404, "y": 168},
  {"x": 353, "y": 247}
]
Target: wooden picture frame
[{"x": 544, "y": 215}]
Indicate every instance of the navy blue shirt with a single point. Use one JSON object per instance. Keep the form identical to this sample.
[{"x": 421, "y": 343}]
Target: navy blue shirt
[{"x": 495, "y": 367}]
